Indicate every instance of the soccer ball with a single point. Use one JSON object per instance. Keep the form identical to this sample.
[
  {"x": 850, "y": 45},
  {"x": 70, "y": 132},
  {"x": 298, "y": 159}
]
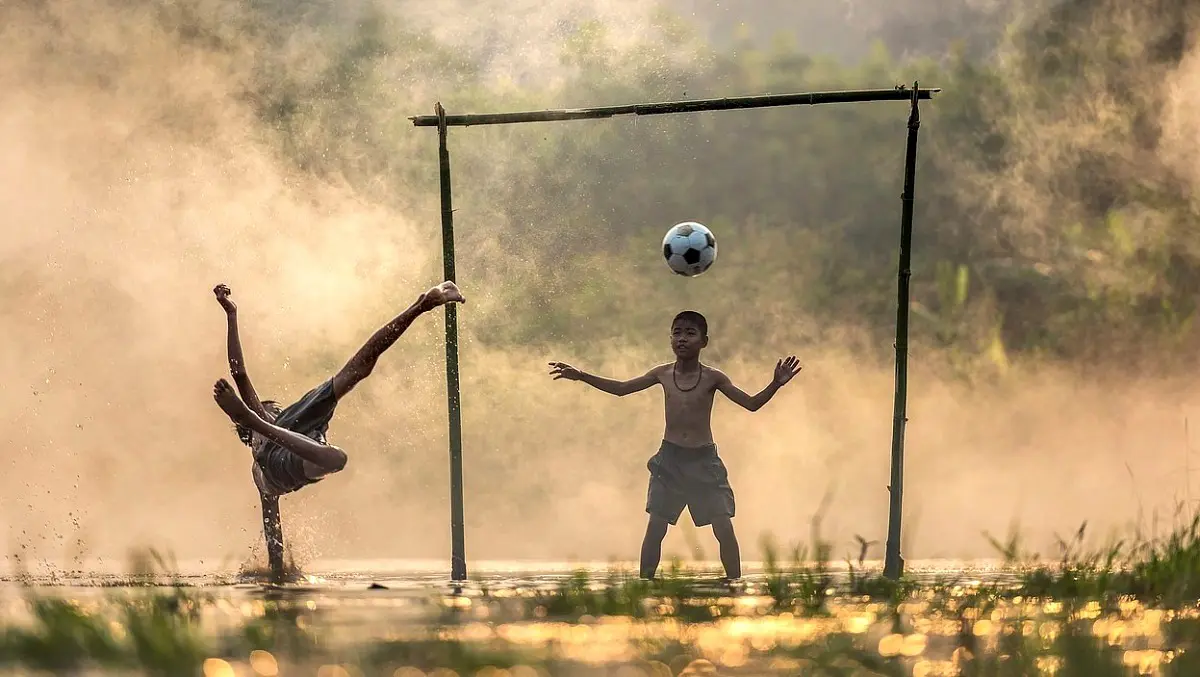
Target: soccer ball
[{"x": 689, "y": 248}]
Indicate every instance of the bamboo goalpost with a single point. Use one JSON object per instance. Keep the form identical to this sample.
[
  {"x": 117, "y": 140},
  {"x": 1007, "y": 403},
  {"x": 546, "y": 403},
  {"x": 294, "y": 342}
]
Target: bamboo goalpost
[{"x": 893, "y": 561}]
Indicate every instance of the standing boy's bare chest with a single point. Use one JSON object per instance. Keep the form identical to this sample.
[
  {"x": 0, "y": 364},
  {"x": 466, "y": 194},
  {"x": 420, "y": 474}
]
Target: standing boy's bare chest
[{"x": 693, "y": 397}]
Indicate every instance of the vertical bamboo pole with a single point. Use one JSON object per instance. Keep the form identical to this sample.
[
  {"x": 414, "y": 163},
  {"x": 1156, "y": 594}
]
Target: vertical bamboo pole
[
  {"x": 458, "y": 559},
  {"x": 893, "y": 561}
]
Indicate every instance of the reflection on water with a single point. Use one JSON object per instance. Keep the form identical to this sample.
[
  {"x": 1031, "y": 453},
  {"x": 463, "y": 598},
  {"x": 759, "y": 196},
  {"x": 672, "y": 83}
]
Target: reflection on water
[{"x": 518, "y": 620}]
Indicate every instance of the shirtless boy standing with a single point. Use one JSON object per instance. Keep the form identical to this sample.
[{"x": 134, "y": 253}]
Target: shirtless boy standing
[{"x": 687, "y": 471}]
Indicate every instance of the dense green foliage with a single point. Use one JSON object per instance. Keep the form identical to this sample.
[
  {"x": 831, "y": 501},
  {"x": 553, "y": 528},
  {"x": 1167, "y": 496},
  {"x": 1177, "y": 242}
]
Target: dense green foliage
[
  {"x": 1053, "y": 215},
  {"x": 1050, "y": 220}
]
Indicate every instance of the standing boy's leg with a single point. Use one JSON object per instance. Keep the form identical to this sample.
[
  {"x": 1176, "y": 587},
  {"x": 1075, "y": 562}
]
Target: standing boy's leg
[
  {"x": 656, "y": 530},
  {"x": 731, "y": 557},
  {"x": 363, "y": 361},
  {"x": 711, "y": 501},
  {"x": 664, "y": 504}
]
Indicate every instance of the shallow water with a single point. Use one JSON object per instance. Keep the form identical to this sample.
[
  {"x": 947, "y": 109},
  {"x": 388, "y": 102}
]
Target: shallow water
[
  {"x": 392, "y": 617},
  {"x": 334, "y": 577}
]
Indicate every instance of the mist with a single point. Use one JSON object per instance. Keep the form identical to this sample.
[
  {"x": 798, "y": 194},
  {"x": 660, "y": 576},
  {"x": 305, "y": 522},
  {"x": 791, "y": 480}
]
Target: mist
[{"x": 138, "y": 169}]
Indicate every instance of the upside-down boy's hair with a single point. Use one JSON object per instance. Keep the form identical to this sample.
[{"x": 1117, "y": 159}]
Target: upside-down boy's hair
[{"x": 245, "y": 433}]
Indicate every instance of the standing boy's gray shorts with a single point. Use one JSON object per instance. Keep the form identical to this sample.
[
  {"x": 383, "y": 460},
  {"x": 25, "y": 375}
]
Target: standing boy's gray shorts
[{"x": 694, "y": 477}]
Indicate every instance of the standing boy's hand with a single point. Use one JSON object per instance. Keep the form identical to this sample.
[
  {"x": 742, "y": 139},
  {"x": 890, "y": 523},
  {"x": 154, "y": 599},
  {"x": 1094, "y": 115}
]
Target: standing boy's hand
[
  {"x": 563, "y": 370},
  {"x": 785, "y": 369}
]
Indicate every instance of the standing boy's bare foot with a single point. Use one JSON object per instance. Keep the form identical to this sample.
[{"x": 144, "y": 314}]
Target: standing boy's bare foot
[
  {"x": 446, "y": 292},
  {"x": 233, "y": 406},
  {"x": 736, "y": 586}
]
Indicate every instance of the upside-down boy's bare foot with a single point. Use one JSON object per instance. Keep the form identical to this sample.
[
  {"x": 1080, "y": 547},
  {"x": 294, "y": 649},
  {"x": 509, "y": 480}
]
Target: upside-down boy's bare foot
[
  {"x": 446, "y": 292},
  {"x": 231, "y": 404}
]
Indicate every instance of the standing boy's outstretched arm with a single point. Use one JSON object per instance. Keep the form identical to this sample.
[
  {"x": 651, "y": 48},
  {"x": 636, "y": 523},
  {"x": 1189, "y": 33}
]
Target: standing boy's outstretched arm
[
  {"x": 612, "y": 387},
  {"x": 237, "y": 362},
  {"x": 784, "y": 371}
]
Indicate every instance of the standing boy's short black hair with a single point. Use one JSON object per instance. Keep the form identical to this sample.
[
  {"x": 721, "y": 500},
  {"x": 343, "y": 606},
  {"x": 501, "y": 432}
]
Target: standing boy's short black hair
[{"x": 693, "y": 317}]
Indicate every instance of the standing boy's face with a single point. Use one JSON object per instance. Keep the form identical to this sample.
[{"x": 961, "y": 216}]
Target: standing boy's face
[{"x": 686, "y": 339}]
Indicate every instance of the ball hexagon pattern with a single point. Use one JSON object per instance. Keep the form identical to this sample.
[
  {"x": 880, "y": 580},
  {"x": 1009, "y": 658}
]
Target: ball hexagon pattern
[{"x": 689, "y": 248}]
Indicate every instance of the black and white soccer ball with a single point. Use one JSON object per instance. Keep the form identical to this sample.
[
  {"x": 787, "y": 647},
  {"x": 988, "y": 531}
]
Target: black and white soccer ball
[{"x": 689, "y": 248}]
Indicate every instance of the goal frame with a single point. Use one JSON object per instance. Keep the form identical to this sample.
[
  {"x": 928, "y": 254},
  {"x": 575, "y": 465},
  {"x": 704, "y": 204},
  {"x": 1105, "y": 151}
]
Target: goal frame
[{"x": 893, "y": 560}]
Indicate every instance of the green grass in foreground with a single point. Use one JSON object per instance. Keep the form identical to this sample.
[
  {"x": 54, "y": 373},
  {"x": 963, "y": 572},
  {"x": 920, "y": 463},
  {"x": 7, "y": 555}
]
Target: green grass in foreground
[{"x": 1122, "y": 610}]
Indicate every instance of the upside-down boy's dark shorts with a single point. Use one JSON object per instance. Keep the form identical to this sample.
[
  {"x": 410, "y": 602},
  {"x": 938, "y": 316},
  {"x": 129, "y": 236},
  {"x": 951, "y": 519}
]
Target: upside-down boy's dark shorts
[
  {"x": 694, "y": 477},
  {"x": 283, "y": 470}
]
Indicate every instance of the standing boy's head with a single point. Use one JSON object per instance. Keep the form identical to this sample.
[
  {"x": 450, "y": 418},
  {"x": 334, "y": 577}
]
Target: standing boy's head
[{"x": 689, "y": 334}]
